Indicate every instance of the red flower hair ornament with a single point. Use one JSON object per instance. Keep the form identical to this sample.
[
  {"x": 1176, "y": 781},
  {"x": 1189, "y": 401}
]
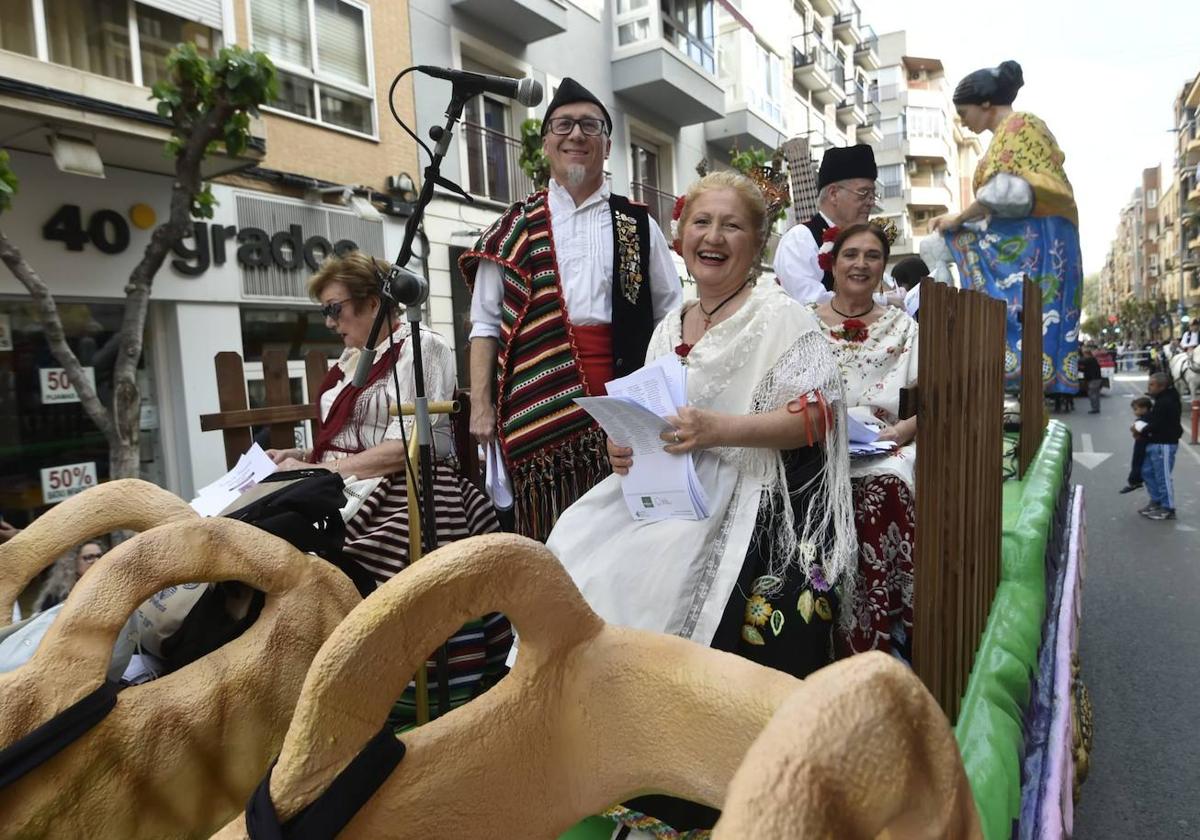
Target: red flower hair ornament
[
  {"x": 825, "y": 252},
  {"x": 676, "y": 242}
]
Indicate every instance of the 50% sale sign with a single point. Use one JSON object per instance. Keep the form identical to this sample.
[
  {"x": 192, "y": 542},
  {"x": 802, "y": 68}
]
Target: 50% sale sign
[{"x": 60, "y": 483}]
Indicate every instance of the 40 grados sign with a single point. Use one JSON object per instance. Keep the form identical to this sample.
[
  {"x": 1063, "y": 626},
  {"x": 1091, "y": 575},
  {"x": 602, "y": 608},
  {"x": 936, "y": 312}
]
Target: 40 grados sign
[{"x": 209, "y": 244}]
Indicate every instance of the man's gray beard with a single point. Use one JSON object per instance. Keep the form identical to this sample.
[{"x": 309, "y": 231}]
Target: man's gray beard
[{"x": 576, "y": 174}]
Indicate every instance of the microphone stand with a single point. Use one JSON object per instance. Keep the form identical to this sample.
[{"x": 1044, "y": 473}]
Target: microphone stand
[{"x": 427, "y": 517}]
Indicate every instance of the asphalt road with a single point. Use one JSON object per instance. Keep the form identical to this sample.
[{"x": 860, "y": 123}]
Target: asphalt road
[{"x": 1140, "y": 639}]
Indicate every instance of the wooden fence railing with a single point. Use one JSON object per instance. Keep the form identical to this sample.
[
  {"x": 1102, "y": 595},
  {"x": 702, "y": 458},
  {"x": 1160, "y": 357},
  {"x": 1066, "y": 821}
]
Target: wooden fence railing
[
  {"x": 959, "y": 473},
  {"x": 235, "y": 419},
  {"x": 1033, "y": 391}
]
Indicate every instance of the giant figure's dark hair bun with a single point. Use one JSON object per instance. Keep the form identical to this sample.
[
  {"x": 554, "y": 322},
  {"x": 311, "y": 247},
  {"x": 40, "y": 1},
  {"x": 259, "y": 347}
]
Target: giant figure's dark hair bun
[{"x": 997, "y": 85}]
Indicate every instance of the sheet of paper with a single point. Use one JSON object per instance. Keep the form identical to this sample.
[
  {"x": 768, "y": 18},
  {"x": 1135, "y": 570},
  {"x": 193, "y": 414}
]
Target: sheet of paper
[
  {"x": 657, "y": 487},
  {"x": 252, "y": 467},
  {"x": 627, "y": 423},
  {"x": 1139, "y": 426},
  {"x": 497, "y": 484},
  {"x": 649, "y": 388},
  {"x": 859, "y": 431}
]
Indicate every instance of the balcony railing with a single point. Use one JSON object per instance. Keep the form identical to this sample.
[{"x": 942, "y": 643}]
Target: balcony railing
[
  {"x": 873, "y": 114},
  {"x": 494, "y": 164},
  {"x": 661, "y": 204},
  {"x": 809, "y": 49}
]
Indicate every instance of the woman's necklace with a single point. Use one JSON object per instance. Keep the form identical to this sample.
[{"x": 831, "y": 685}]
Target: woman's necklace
[
  {"x": 866, "y": 311},
  {"x": 708, "y": 316}
]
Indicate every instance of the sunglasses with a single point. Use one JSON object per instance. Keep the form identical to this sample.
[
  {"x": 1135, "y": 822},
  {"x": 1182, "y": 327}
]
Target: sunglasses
[{"x": 333, "y": 309}]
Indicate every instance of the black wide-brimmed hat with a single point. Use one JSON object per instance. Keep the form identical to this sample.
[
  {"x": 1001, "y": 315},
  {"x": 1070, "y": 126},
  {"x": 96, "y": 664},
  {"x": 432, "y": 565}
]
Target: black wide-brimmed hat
[
  {"x": 841, "y": 163},
  {"x": 571, "y": 91}
]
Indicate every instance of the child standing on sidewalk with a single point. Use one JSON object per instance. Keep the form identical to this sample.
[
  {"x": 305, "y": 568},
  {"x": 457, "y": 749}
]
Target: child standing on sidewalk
[{"x": 1141, "y": 408}]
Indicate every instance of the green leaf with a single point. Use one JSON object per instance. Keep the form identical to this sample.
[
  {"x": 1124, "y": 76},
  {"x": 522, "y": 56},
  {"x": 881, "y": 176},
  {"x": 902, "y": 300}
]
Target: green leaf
[
  {"x": 752, "y": 636},
  {"x": 805, "y": 605},
  {"x": 765, "y": 584},
  {"x": 777, "y": 622},
  {"x": 823, "y": 610}
]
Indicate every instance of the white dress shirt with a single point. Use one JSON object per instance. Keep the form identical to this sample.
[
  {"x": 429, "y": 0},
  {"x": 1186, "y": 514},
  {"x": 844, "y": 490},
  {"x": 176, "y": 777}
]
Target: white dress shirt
[
  {"x": 583, "y": 244},
  {"x": 1189, "y": 340},
  {"x": 796, "y": 265}
]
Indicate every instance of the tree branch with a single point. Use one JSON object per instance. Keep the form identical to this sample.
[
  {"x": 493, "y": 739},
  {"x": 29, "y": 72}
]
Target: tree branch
[{"x": 55, "y": 336}]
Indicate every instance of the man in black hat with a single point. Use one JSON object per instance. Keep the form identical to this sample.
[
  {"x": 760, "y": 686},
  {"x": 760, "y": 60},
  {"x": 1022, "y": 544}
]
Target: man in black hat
[
  {"x": 567, "y": 287},
  {"x": 846, "y": 182}
]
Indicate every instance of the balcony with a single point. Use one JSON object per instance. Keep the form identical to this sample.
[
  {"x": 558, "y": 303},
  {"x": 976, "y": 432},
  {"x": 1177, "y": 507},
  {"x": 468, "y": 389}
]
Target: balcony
[
  {"x": 929, "y": 195},
  {"x": 866, "y": 52},
  {"x": 813, "y": 67},
  {"x": 494, "y": 165},
  {"x": 39, "y": 99},
  {"x": 1192, "y": 100},
  {"x": 826, "y": 8},
  {"x": 1192, "y": 151},
  {"x": 665, "y": 83},
  {"x": 743, "y": 128},
  {"x": 525, "y": 20},
  {"x": 933, "y": 150},
  {"x": 846, "y": 29},
  {"x": 869, "y": 131},
  {"x": 661, "y": 204},
  {"x": 851, "y": 111},
  {"x": 1193, "y": 198}
]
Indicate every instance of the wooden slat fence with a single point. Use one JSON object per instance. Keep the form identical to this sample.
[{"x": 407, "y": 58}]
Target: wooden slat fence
[
  {"x": 1033, "y": 393},
  {"x": 235, "y": 418},
  {"x": 958, "y": 481}
]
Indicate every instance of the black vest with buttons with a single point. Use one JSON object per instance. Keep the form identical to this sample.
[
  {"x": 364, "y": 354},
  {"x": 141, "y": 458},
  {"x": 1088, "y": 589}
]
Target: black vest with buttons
[
  {"x": 817, "y": 227},
  {"x": 632, "y": 312}
]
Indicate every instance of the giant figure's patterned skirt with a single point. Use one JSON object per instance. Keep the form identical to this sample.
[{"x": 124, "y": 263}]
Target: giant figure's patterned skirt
[{"x": 881, "y": 605}]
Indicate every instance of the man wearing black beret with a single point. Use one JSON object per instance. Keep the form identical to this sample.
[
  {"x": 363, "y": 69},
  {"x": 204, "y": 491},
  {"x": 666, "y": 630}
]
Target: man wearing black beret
[
  {"x": 567, "y": 287},
  {"x": 846, "y": 182}
]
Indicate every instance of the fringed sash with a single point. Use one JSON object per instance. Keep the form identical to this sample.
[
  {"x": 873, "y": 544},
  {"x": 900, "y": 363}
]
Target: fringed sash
[{"x": 554, "y": 450}]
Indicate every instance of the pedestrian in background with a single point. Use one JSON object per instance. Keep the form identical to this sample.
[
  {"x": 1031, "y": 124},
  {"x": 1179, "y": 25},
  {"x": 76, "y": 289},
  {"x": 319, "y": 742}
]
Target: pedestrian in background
[
  {"x": 1163, "y": 431},
  {"x": 66, "y": 572},
  {"x": 1093, "y": 381}
]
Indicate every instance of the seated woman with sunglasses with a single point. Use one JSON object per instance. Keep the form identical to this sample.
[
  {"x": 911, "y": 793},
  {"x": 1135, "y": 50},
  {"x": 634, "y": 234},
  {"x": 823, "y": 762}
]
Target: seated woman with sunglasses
[{"x": 359, "y": 437}]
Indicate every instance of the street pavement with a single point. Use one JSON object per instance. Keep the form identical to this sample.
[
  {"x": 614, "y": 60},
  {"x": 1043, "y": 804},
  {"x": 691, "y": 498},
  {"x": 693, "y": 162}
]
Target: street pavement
[{"x": 1140, "y": 639}]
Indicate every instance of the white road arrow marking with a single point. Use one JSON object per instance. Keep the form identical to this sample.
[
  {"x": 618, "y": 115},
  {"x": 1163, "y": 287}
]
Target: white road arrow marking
[{"x": 1088, "y": 457}]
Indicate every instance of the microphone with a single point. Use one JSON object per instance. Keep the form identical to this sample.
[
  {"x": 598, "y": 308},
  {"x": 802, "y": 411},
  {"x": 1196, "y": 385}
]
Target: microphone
[
  {"x": 404, "y": 287},
  {"x": 526, "y": 91}
]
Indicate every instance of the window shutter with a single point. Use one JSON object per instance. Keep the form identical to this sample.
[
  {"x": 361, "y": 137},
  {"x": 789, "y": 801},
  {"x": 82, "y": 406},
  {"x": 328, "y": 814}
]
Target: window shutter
[
  {"x": 341, "y": 41},
  {"x": 207, "y": 12},
  {"x": 280, "y": 29}
]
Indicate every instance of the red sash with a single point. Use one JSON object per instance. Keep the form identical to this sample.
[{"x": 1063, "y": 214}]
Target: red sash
[{"x": 595, "y": 356}]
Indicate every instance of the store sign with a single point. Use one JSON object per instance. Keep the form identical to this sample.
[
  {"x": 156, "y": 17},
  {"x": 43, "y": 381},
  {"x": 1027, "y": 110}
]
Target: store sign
[
  {"x": 208, "y": 245},
  {"x": 63, "y": 482},
  {"x": 57, "y": 387}
]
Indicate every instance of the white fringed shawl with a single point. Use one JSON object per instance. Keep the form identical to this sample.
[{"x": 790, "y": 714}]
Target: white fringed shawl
[{"x": 677, "y": 576}]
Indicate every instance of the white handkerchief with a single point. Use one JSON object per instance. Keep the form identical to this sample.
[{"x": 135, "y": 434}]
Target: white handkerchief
[{"x": 498, "y": 487}]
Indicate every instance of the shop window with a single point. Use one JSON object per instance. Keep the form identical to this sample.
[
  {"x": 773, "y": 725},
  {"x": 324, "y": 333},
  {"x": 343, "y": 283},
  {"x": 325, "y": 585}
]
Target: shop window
[
  {"x": 296, "y": 331},
  {"x": 321, "y": 50},
  {"x": 49, "y": 447}
]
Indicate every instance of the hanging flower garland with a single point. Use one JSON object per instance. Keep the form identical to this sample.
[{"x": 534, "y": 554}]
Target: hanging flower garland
[{"x": 825, "y": 252}]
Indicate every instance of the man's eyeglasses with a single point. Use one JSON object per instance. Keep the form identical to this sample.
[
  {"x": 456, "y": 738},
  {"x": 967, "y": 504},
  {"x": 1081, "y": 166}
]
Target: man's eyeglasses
[
  {"x": 865, "y": 194},
  {"x": 590, "y": 126},
  {"x": 333, "y": 309}
]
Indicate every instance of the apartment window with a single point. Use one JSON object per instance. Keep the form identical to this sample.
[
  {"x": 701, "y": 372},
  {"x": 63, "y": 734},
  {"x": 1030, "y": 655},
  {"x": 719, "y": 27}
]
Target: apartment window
[
  {"x": 767, "y": 94},
  {"x": 891, "y": 176},
  {"x": 690, "y": 25},
  {"x": 925, "y": 122},
  {"x": 159, "y": 32},
  {"x": 647, "y": 184},
  {"x": 114, "y": 38},
  {"x": 93, "y": 36},
  {"x": 321, "y": 50},
  {"x": 16, "y": 27},
  {"x": 633, "y": 21},
  {"x": 1151, "y": 198},
  {"x": 493, "y": 154}
]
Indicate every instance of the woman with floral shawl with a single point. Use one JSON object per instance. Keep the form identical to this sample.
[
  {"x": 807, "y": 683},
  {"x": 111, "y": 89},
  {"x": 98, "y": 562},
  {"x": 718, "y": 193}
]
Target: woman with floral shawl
[
  {"x": 766, "y": 426},
  {"x": 1032, "y": 223},
  {"x": 876, "y": 349}
]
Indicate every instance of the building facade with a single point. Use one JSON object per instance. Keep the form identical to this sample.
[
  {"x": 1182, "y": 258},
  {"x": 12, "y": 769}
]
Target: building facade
[
  {"x": 1183, "y": 256},
  {"x": 74, "y": 77},
  {"x": 685, "y": 83},
  {"x": 926, "y": 158}
]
